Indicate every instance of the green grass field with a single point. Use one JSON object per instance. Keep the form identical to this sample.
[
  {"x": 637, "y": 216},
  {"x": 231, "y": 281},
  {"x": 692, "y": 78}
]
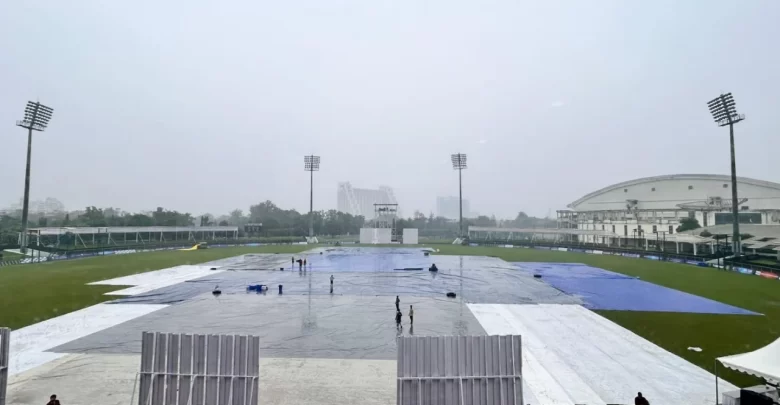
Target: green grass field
[
  {"x": 32, "y": 293},
  {"x": 11, "y": 256}
]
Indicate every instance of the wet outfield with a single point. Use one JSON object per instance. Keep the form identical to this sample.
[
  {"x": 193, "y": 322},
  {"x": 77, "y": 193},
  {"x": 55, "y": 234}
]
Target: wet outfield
[
  {"x": 368, "y": 272},
  {"x": 356, "y": 321},
  {"x": 323, "y": 347}
]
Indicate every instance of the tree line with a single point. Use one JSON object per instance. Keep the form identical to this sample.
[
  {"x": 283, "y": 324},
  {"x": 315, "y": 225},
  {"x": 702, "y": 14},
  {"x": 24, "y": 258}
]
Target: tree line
[{"x": 276, "y": 221}]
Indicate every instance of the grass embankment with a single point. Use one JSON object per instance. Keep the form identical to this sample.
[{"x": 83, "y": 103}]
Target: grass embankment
[
  {"x": 31, "y": 293},
  {"x": 11, "y": 256},
  {"x": 717, "y": 335}
]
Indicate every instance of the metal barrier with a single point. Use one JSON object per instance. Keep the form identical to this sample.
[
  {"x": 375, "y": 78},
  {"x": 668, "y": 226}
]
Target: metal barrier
[
  {"x": 755, "y": 268},
  {"x": 5, "y": 344},
  {"x": 181, "y": 369},
  {"x": 463, "y": 370}
]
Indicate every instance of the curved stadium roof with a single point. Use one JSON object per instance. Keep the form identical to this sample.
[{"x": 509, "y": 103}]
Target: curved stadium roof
[{"x": 718, "y": 177}]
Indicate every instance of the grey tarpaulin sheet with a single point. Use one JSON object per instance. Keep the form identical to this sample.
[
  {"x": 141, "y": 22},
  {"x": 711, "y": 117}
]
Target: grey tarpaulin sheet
[
  {"x": 293, "y": 326},
  {"x": 476, "y": 279},
  {"x": 259, "y": 261},
  {"x": 356, "y": 321}
]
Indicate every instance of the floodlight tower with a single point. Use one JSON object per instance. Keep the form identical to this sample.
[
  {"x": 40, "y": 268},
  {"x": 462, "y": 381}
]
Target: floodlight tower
[
  {"x": 724, "y": 110},
  {"x": 459, "y": 163},
  {"x": 311, "y": 164},
  {"x": 36, "y": 118}
]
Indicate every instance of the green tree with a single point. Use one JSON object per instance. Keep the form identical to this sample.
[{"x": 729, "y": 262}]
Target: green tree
[
  {"x": 139, "y": 220},
  {"x": 279, "y": 222},
  {"x": 687, "y": 224},
  {"x": 237, "y": 217},
  {"x": 68, "y": 239},
  {"x": 93, "y": 216},
  {"x": 10, "y": 226},
  {"x": 483, "y": 220},
  {"x": 163, "y": 217},
  {"x": 523, "y": 220}
]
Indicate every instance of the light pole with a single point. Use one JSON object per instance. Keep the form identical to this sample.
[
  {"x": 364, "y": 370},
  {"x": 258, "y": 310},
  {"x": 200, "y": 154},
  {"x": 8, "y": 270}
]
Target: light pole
[
  {"x": 639, "y": 233},
  {"x": 36, "y": 118},
  {"x": 459, "y": 163},
  {"x": 721, "y": 249},
  {"x": 311, "y": 164},
  {"x": 661, "y": 248},
  {"x": 724, "y": 110}
]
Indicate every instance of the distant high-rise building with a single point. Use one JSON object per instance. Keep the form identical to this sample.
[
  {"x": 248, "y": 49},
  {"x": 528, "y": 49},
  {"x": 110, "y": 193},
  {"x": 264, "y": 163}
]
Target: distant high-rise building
[
  {"x": 360, "y": 201},
  {"x": 49, "y": 206},
  {"x": 448, "y": 207}
]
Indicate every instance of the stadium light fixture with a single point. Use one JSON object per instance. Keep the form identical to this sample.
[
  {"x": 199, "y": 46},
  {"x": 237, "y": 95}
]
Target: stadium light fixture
[
  {"x": 459, "y": 163},
  {"x": 724, "y": 111},
  {"x": 311, "y": 164},
  {"x": 36, "y": 118}
]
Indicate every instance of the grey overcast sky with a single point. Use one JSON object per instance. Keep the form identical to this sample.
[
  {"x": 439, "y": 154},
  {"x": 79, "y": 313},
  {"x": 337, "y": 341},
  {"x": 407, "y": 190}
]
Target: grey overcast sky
[{"x": 205, "y": 106}]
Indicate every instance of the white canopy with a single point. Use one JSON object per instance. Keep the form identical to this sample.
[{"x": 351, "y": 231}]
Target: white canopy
[{"x": 764, "y": 362}]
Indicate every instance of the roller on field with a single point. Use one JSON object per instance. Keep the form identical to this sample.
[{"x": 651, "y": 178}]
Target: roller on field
[{"x": 198, "y": 246}]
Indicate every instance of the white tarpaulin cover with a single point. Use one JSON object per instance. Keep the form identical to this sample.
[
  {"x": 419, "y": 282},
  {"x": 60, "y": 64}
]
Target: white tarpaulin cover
[
  {"x": 574, "y": 356},
  {"x": 764, "y": 362}
]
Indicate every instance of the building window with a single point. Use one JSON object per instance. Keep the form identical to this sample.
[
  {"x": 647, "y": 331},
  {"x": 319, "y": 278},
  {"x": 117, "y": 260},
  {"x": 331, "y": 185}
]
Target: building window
[
  {"x": 625, "y": 230},
  {"x": 744, "y": 218},
  {"x": 639, "y": 228},
  {"x": 652, "y": 189},
  {"x": 671, "y": 229},
  {"x": 613, "y": 228},
  {"x": 690, "y": 187},
  {"x": 625, "y": 190},
  {"x": 602, "y": 227},
  {"x": 655, "y": 229},
  {"x": 744, "y": 208},
  {"x": 725, "y": 185}
]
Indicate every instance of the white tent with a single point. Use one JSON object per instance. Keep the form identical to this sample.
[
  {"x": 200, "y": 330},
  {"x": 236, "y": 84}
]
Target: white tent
[{"x": 764, "y": 362}]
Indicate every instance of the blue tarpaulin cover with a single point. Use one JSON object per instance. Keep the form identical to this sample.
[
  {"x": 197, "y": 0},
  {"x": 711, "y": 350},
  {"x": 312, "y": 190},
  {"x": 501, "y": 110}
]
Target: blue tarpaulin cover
[{"x": 602, "y": 289}]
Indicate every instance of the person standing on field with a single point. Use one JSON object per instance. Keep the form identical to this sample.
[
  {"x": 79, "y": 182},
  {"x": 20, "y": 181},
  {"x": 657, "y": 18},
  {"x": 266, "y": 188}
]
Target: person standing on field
[
  {"x": 411, "y": 315},
  {"x": 640, "y": 400}
]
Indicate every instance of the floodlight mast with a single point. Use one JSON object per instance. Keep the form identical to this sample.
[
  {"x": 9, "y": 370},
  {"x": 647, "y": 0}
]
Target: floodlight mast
[
  {"x": 311, "y": 164},
  {"x": 36, "y": 118},
  {"x": 459, "y": 163},
  {"x": 724, "y": 111}
]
